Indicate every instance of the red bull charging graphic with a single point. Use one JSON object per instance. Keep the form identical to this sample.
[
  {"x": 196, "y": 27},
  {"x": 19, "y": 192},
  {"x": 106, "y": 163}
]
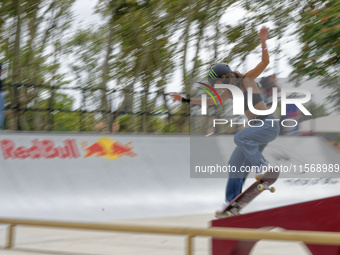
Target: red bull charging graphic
[{"x": 108, "y": 149}]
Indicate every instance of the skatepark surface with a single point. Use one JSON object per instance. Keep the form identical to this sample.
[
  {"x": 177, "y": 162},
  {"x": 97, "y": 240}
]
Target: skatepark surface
[{"x": 151, "y": 184}]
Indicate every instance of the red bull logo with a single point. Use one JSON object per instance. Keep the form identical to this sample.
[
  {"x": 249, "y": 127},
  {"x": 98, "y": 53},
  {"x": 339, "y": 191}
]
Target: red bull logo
[
  {"x": 108, "y": 148},
  {"x": 40, "y": 149}
]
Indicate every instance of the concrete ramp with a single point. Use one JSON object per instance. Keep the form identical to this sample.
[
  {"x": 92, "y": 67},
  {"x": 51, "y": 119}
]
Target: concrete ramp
[{"x": 100, "y": 177}]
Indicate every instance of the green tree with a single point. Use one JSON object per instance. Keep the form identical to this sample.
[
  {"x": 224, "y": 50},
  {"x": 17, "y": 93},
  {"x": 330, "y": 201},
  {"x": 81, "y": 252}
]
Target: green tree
[
  {"x": 320, "y": 54},
  {"x": 32, "y": 34},
  {"x": 319, "y": 33}
]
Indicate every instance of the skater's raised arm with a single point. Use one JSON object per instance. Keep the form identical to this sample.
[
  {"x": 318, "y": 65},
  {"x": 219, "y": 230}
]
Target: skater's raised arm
[{"x": 254, "y": 73}]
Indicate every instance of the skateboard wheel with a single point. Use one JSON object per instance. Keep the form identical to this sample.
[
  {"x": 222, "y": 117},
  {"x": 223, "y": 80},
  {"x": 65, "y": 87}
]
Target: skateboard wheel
[
  {"x": 259, "y": 176},
  {"x": 272, "y": 189},
  {"x": 228, "y": 214},
  {"x": 260, "y": 187}
]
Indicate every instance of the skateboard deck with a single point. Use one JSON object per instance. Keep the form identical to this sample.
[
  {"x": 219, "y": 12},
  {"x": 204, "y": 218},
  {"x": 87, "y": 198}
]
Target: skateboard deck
[{"x": 244, "y": 198}]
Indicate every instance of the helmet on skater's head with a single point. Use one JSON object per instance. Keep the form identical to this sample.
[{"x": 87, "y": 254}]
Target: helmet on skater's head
[{"x": 216, "y": 73}]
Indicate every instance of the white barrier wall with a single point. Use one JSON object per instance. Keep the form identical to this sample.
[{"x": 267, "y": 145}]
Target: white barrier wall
[
  {"x": 108, "y": 176},
  {"x": 99, "y": 176}
]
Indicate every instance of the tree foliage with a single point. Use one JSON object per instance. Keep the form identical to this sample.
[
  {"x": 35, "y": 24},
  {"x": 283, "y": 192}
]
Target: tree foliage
[
  {"x": 144, "y": 46},
  {"x": 31, "y": 33},
  {"x": 319, "y": 34}
]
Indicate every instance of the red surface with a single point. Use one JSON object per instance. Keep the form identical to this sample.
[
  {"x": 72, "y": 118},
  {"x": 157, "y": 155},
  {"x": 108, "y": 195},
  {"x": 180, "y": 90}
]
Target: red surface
[{"x": 318, "y": 215}]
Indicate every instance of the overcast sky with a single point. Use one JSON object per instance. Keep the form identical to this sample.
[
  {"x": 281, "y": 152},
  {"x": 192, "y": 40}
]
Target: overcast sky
[{"x": 83, "y": 10}]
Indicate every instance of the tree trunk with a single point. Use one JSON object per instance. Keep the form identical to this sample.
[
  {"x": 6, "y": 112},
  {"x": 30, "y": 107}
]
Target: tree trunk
[
  {"x": 105, "y": 105},
  {"x": 13, "y": 120}
]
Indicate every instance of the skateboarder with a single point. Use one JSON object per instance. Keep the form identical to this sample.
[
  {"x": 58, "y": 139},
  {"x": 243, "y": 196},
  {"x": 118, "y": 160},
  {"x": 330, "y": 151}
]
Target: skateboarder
[{"x": 252, "y": 140}]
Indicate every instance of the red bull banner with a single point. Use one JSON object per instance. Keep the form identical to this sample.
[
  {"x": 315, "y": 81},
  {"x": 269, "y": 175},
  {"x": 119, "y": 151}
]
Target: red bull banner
[{"x": 105, "y": 147}]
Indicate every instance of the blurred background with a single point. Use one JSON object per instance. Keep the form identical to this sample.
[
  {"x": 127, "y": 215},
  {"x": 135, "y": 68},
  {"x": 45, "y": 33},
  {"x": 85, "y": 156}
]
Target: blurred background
[{"x": 108, "y": 66}]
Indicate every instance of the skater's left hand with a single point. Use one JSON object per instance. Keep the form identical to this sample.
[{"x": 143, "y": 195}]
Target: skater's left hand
[{"x": 263, "y": 34}]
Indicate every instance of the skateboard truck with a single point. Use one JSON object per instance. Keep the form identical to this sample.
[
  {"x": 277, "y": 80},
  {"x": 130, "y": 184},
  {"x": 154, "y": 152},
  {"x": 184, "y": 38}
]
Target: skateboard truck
[
  {"x": 226, "y": 214},
  {"x": 265, "y": 186}
]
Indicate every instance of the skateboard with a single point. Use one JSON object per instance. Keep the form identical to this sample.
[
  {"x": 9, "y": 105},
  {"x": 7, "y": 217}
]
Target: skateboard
[{"x": 262, "y": 183}]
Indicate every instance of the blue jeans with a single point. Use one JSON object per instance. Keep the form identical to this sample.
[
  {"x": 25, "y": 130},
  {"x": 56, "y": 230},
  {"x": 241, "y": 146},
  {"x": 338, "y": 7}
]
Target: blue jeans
[
  {"x": 2, "y": 110},
  {"x": 250, "y": 142}
]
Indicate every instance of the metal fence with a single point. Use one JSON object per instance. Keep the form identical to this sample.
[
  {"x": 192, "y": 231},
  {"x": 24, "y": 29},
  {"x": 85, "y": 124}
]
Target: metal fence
[{"x": 40, "y": 107}]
